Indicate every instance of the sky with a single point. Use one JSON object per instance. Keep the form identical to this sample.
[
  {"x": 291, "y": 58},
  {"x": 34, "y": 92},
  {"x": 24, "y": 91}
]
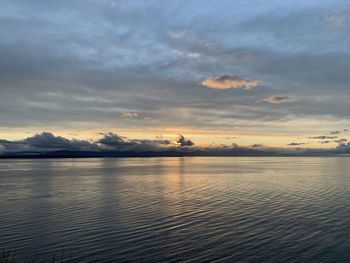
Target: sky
[{"x": 223, "y": 72}]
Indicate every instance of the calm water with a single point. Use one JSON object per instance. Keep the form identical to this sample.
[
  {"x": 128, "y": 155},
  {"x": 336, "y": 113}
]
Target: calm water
[{"x": 178, "y": 209}]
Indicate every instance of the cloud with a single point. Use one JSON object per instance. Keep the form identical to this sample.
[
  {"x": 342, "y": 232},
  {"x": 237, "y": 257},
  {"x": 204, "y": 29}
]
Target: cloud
[
  {"x": 154, "y": 142},
  {"x": 277, "y": 100},
  {"x": 7, "y": 145},
  {"x": 296, "y": 143},
  {"x": 47, "y": 140},
  {"x": 258, "y": 145},
  {"x": 323, "y": 137},
  {"x": 229, "y": 82},
  {"x": 113, "y": 141},
  {"x": 178, "y": 34},
  {"x": 341, "y": 141},
  {"x": 229, "y": 137},
  {"x": 46, "y": 144},
  {"x": 159, "y": 139},
  {"x": 183, "y": 141},
  {"x": 343, "y": 148},
  {"x": 338, "y": 18},
  {"x": 131, "y": 115},
  {"x": 97, "y": 59},
  {"x": 191, "y": 55},
  {"x": 110, "y": 139},
  {"x": 290, "y": 49}
]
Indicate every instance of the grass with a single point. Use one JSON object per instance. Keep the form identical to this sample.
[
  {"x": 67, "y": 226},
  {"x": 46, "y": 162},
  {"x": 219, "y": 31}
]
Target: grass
[{"x": 8, "y": 255}]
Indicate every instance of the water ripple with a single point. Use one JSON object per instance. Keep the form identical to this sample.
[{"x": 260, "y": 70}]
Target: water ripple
[{"x": 178, "y": 209}]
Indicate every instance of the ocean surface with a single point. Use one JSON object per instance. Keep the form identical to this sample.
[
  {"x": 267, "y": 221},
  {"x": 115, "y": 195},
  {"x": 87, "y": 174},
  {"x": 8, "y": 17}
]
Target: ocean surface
[{"x": 193, "y": 209}]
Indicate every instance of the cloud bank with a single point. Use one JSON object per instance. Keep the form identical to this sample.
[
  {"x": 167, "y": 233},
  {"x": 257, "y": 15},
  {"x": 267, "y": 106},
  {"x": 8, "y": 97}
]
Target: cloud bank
[{"x": 110, "y": 144}]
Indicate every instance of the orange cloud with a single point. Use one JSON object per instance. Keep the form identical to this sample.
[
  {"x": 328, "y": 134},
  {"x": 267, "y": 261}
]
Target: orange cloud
[{"x": 229, "y": 82}]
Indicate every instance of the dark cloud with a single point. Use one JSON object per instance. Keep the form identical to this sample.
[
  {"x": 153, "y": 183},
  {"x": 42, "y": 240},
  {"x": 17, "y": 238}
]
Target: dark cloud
[
  {"x": 257, "y": 146},
  {"x": 340, "y": 141},
  {"x": 277, "y": 100},
  {"x": 112, "y": 140},
  {"x": 326, "y": 139},
  {"x": 182, "y": 141},
  {"x": 159, "y": 139},
  {"x": 323, "y": 137},
  {"x": 325, "y": 142},
  {"x": 47, "y": 140},
  {"x": 343, "y": 148},
  {"x": 296, "y": 143}
]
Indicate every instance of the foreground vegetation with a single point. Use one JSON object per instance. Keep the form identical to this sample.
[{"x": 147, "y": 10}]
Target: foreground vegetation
[{"x": 10, "y": 256}]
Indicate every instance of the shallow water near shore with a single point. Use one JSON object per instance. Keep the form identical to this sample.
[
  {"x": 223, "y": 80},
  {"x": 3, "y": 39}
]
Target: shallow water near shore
[{"x": 193, "y": 209}]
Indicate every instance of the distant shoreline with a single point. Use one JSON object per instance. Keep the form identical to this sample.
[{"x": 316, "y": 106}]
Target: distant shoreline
[{"x": 53, "y": 156}]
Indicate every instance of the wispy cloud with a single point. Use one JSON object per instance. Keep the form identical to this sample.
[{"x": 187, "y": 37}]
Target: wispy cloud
[
  {"x": 178, "y": 34},
  {"x": 131, "y": 115},
  {"x": 338, "y": 18}
]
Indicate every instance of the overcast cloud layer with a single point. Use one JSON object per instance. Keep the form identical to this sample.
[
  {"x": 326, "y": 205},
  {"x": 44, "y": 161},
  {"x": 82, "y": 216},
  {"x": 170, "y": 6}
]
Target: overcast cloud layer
[{"x": 228, "y": 67}]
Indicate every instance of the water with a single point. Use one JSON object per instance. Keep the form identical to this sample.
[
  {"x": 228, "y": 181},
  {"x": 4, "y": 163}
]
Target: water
[{"x": 248, "y": 209}]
